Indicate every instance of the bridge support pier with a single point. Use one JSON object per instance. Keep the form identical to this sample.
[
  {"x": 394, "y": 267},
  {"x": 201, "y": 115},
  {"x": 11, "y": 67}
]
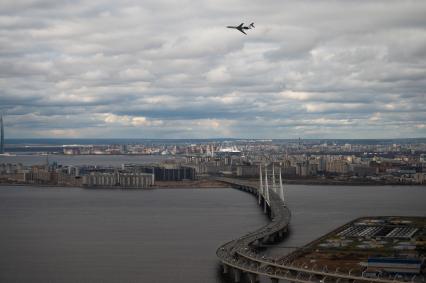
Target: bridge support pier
[
  {"x": 252, "y": 277},
  {"x": 274, "y": 280},
  {"x": 225, "y": 268},
  {"x": 237, "y": 275},
  {"x": 272, "y": 238}
]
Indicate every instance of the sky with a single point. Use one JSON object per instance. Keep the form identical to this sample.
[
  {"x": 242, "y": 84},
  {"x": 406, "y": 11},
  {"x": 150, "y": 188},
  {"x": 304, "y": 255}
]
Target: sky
[{"x": 170, "y": 69}]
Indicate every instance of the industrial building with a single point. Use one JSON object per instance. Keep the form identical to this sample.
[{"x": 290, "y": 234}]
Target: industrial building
[
  {"x": 379, "y": 231},
  {"x": 394, "y": 265}
]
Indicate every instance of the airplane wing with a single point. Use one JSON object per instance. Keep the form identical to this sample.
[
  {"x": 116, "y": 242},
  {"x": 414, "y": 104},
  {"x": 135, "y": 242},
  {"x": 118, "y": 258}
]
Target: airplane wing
[
  {"x": 240, "y": 26},
  {"x": 240, "y": 29}
]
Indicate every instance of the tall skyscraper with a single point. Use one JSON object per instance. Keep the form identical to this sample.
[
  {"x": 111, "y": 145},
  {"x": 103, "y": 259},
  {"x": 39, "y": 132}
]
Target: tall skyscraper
[{"x": 2, "y": 135}]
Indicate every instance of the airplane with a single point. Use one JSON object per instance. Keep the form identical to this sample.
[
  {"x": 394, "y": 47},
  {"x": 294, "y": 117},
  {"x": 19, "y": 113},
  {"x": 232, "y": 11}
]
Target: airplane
[{"x": 241, "y": 27}]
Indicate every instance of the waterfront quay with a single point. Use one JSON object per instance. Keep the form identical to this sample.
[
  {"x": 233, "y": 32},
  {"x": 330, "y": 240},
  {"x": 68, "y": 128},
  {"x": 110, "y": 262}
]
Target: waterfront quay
[{"x": 243, "y": 259}]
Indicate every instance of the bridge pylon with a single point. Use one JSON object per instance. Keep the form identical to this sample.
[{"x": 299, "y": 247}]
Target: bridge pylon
[
  {"x": 274, "y": 187},
  {"x": 266, "y": 195},
  {"x": 281, "y": 193},
  {"x": 260, "y": 192}
]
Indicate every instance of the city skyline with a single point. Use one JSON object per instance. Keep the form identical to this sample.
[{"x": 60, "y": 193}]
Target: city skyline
[{"x": 323, "y": 69}]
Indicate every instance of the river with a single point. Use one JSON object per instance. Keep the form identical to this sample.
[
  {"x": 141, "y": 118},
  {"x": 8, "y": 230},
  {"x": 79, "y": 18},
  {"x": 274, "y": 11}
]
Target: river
[{"x": 164, "y": 235}]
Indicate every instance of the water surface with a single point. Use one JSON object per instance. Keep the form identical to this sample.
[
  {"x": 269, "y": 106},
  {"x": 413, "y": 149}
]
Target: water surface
[{"x": 166, "y": 235}]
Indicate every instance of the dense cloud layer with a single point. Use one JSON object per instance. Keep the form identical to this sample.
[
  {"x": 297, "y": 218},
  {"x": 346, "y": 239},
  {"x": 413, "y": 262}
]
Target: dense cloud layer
[{"x": 170, "y": 69}]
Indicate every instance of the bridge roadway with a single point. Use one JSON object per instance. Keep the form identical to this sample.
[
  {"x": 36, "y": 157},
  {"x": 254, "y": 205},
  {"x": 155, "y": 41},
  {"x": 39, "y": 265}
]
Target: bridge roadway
[{"x": 241, "y": 255}]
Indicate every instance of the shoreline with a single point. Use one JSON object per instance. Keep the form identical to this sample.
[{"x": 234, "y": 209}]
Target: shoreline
[
  {"x": 212, "y": 184},
  {"x": 360, "y": 184},
  {"x": 320, "y": 182},
  {"x": 348, "y": 256},
  {"x": 163, "y": 185}
]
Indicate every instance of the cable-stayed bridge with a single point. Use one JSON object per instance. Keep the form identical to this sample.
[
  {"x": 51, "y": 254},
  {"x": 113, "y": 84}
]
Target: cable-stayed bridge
[{"x": 241, "y": 257}]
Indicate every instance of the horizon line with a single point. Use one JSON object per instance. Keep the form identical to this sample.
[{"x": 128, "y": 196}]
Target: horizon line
[{"x": 216, "y": 138}]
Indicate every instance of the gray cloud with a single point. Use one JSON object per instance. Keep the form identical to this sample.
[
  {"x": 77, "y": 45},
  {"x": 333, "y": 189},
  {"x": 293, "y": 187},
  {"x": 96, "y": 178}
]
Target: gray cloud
[{"x": 171, "y": 69}]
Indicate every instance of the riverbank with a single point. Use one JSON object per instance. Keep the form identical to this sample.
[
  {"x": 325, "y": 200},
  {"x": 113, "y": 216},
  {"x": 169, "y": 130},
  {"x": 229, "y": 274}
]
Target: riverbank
[
  {"x": 323, "y": 182},
  {"x": 346, "y": 183},
  {"x": 196, "y": 184},
  {"x": 203, "y": 184},
  {"x": 208, "y": 183},
  {"x": 34, "y": 185}
]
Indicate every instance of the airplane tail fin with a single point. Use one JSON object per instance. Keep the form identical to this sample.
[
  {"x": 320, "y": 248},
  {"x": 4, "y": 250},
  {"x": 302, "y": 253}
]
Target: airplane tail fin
[{"x": 252, "y": 25}]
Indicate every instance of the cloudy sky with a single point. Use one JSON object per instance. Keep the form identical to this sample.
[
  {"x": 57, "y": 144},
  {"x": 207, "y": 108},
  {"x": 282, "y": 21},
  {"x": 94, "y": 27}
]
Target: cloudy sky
[{"x": 170, "y": 69}]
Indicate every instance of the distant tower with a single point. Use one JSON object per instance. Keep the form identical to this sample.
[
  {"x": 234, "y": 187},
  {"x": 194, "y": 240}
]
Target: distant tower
[
  {"x": 2, "y": 135},
  {"x": 46, "y": 164}
]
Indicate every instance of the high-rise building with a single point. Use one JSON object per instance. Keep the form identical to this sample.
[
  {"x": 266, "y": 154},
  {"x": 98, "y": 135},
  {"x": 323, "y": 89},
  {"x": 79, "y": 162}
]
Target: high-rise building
[{"x": 2, "y": 135}]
